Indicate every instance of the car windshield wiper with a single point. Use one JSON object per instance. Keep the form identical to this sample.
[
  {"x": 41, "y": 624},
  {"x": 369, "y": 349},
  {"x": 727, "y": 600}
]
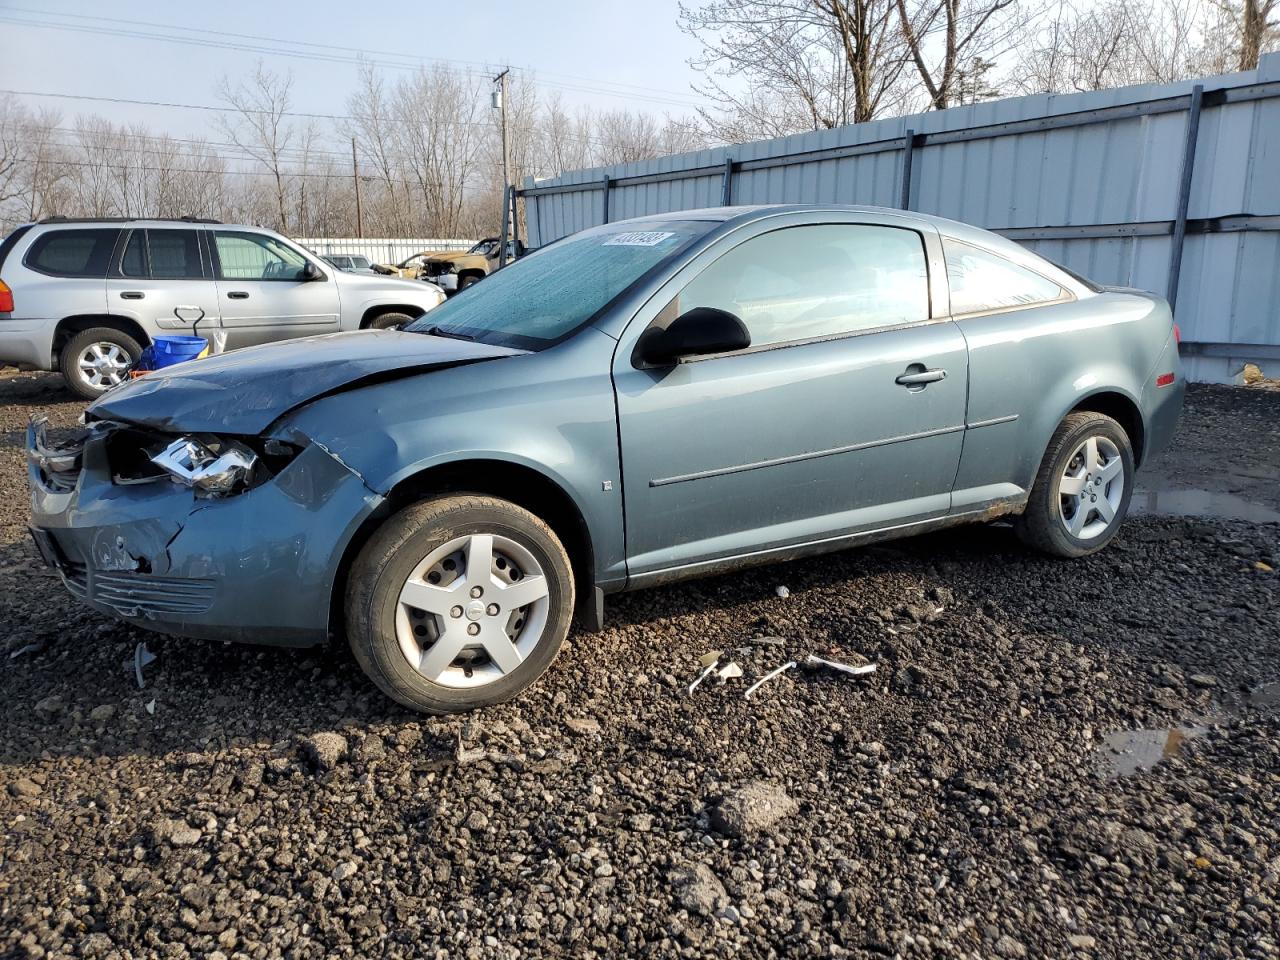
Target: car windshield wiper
[{"x": 439, "y": 332}]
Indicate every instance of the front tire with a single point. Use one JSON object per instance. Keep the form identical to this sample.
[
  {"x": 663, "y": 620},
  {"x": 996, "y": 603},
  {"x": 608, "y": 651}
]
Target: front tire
[
  {"x": 459, "y": 602},
  {"x": 95, "y": 360},
  {"x": 1081, "y": 494}
]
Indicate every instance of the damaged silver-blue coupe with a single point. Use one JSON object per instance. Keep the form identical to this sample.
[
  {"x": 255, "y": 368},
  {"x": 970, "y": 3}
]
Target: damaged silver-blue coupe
[{"x": 640, "y": 402}]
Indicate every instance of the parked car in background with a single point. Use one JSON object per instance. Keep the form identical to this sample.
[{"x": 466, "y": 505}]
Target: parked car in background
[
  {"x": 351, "y": 263},
  {"x": 86, "y": 296},
  {"x": 638, "y": 403},
  {"x": 457, "y": 271}
]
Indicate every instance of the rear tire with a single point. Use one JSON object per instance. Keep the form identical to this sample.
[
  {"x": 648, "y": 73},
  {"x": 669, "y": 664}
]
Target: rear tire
[
  {"x": 1081, "y": 494},
  {"x": 440, "y": 637},
  {"x": 464, "y": 282},
  {"x": 97, "y": 359},
  {"x": 391, "y": 321}
]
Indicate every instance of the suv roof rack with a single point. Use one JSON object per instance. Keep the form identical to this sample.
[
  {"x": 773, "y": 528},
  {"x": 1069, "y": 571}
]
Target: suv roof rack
[{"x": 125, "y": 219}]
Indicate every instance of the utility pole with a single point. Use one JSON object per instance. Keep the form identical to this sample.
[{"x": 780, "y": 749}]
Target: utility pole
[
  {"x": 500, "y": 103},
  {"x": 355, "y": 175}
]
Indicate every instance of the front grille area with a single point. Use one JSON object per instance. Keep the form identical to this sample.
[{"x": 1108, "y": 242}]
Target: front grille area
[{"x": 139, "y": 594}]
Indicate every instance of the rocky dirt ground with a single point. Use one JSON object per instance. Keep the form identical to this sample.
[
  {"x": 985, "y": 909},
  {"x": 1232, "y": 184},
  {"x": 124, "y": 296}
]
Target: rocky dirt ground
[{"x": 961, "y": 801}]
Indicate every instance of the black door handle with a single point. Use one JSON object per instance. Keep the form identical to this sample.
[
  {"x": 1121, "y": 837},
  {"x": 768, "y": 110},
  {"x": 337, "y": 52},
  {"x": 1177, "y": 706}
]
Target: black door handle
[
  {"x": 131, "y": 295},
  {"x": 237, "y": 295},
  {"x": 917, "y": 377}
]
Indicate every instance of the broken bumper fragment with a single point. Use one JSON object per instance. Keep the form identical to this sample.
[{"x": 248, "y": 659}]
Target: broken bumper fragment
[{"x": 258, "y": 565}]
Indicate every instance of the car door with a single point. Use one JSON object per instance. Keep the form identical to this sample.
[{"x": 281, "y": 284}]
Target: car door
[
  {"x": 262, "y": 295},
  {"x": 844, "y": 415},
  {"x": 164, "y": 281}
]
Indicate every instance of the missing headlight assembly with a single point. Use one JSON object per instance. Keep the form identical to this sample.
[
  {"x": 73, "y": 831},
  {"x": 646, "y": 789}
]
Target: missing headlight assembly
[{"x": 216, "y": 468}]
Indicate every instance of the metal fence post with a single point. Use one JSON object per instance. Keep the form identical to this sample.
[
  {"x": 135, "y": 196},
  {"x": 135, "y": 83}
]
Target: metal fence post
[
  {"x": 606, "y": 199},
  {"x": 726, "y": 186},
  {"x": 908, "y": 149},
  {"x": 506, "y": 226},
  {"x": 1184, "y": 193}
]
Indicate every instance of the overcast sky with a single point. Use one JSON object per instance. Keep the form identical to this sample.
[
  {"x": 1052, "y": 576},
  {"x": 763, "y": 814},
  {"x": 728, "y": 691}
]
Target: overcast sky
[{"x": 582, "y": 48}]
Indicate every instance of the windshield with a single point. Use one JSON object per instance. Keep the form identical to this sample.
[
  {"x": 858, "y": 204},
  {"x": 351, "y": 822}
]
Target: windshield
[{"x": 544, "y": 297}]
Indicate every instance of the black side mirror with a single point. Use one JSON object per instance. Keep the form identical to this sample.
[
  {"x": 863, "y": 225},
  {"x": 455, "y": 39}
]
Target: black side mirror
[
  {"x": 699, "y": 332},
  {"x": 310, "y": 272}
]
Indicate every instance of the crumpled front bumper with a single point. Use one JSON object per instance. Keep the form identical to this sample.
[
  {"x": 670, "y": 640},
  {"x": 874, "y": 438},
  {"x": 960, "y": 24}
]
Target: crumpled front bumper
[{"x": 256, "y": 567}]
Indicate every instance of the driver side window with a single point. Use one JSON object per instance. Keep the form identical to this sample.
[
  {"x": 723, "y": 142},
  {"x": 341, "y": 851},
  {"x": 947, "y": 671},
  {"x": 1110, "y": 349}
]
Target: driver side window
[
  {"x": 804, "y": 283},
  {"x": 253, "y": 256}
]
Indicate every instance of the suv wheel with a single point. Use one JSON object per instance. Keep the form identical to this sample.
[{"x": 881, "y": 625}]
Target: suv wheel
[
  {"x": 95, "y": 360},
  {"x": 1081, "y": 494},
  {"x": 391, "y": 321},
  {"x": 464, "y": 282},
  {"x": 458, "y": 602}
]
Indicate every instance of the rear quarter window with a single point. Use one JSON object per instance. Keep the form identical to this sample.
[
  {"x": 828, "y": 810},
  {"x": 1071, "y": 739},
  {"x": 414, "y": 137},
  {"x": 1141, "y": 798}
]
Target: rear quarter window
[
  {"x": 982, "y": 281},
  {"x": 72, "y": 253}
]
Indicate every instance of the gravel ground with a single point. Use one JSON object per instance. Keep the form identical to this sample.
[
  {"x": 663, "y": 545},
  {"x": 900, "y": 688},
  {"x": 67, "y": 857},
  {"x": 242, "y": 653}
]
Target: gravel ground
[{"x": 957, "y": 802}]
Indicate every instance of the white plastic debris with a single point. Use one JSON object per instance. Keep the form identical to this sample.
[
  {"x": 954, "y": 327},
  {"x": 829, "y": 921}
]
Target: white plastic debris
[
  {"x": 23, "y": 651},
  {"x": 142, "y": 657},
  {"x": 702, "y": 676},
  {"x": 842, "y": 667},
  {"x": 730, "y": 671},
  {"x": 151, "y": 707},
  {"x": 766, "y": 678},
  {"x": 707, "y": 659},
  {"x": 782, "y": 592}
]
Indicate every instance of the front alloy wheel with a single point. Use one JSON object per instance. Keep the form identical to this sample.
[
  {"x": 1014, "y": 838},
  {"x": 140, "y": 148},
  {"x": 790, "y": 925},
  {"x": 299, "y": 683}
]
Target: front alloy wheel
[{"x": 459, "y": 602}]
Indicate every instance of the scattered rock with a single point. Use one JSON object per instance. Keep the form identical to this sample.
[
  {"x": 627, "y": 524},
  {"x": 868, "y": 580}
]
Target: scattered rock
[
  {"x": 752, "y": 808},
  {"x": 584, "y": 726},
  {"x": 698, "y": 889},
  {"x": 344, "y": 870},
  {"x": 103, "y": 713},
  {"x": 325, "y": 749},
  {"x": 49, "y": 706},
  {"x": 25, "y": 787}
]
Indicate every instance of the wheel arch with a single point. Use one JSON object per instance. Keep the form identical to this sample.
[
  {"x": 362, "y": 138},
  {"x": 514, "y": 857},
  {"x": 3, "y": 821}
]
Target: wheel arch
[
  {"x": 68, "y": 327},
  {"x": 1123, "y": 409},
  {"x": 377, "y": 310},
  {"x": 519, "y": 483}
]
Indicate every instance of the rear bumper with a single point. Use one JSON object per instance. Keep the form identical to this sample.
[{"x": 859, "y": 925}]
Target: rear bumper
[
  {"x": 257, "y": 567},
  {"x": 1163, "y": 405},
  {"x": 27, "y": 343}
]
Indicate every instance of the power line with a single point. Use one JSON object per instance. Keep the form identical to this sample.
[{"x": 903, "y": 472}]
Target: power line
[
  {"x": 345, "y": 49},
  {"x": 638, "y": 93},
  {"x": 336, "y": 117}
]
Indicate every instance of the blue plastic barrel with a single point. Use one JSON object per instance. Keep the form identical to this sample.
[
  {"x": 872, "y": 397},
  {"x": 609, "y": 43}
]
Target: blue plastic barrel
[{"x": 166, "y": 351}]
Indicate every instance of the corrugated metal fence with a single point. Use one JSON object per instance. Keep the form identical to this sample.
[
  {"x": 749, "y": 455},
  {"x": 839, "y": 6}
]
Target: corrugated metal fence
[
  {"x": 380, "y": 250},
  {"x": 1172, "y": 188}
]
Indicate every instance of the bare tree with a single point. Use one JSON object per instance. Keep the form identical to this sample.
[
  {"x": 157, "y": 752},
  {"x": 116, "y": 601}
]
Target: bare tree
[
  {"x": 1256, "y": 28},
  {"x": 808, "y": 64},
  {"x": 262, "y": 128},
  {"x": 949, "y": 39}
]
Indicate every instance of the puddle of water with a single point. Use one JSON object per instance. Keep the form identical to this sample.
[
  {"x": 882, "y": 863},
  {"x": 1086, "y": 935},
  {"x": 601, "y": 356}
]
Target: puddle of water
[
  {"x": 1201, "y": 503},
  {"x": 1127, "y": 752}
]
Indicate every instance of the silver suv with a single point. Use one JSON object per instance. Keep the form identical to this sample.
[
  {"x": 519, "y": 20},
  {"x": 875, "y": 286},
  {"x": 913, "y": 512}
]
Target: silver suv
[{"x": 86, "y": 296}]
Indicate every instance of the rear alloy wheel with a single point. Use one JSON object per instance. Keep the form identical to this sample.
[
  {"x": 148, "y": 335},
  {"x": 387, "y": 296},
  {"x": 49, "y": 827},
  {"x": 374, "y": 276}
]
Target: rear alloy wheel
[
  {"x": 459, "y": 602},
  {"x": 1081, "y": 494},
  {"x": 94, "y": 361}
]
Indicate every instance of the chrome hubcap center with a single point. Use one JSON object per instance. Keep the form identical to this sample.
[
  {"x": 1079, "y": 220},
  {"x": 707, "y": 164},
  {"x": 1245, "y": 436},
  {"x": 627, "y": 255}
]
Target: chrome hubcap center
[{"x": 475, "y": 610}]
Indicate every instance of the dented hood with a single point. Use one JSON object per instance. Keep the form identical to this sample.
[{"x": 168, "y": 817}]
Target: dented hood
[{"x": 244, "y": 391}]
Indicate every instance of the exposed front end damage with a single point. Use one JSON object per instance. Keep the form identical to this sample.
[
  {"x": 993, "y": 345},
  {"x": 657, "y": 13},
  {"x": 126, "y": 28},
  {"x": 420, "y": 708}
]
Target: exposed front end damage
[{"x": 227, "y": 538}]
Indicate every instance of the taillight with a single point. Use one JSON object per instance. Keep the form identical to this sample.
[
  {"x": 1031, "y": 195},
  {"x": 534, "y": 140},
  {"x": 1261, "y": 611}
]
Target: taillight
[
  {"x": 1164, "y": 379},
  {"x": 6, "y": 298},
  {"x": 1177, "y": 334}
]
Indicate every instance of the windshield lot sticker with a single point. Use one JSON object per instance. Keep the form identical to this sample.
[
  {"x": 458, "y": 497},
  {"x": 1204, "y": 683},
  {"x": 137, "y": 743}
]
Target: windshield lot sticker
[{"x": 641, "y": 239}]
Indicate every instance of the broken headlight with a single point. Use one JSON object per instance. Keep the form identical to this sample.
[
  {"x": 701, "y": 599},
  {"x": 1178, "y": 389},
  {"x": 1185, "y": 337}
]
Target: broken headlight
[{"x": 218, "y": 467}]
